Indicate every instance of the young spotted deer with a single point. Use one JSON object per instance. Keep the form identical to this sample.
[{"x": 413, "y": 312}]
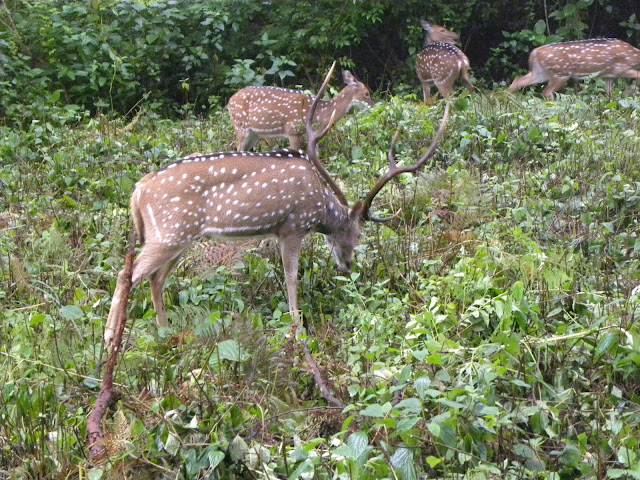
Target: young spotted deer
[
  {"x": 556, "y": 63},
  {"x": 238, "y": 195},
  {"x": 268, "y": 112},
  {"x": 441, "y": 63}
]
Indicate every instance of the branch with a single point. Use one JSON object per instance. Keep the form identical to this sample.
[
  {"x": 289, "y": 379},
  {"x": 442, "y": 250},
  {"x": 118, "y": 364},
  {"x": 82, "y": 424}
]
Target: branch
[
  {"x": 108, "y": 396},
  {"x": 318, "y": 377}
]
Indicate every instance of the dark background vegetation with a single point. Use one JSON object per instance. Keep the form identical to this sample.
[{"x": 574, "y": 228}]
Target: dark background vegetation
[{"x": 108, "y": 55}]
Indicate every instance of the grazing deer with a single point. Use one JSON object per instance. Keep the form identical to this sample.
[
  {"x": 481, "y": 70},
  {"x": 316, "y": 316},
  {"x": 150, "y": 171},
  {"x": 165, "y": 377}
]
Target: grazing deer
[
  {"x": 268, "y": 112},
  {"x": 441, "y": 63},
  {"x": 238, "y": 195},
  {"x": 556, "y": 63}
]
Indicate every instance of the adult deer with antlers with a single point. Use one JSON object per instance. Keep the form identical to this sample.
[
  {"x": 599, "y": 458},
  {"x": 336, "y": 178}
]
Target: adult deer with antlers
[
  {"x": 556, "y": 63},
  {"x": 238, "y": 195},
  {"x": 441, "y": 63},
  {"x": 271, "y": 112}
]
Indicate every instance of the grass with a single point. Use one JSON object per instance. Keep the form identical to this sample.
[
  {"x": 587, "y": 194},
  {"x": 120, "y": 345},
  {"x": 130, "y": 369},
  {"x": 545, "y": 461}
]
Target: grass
[{"x": 488, "y": 332}]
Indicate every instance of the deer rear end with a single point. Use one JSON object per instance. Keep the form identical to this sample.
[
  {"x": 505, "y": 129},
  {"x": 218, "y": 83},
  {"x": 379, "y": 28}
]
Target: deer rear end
[{"x": 556, "y": 63}]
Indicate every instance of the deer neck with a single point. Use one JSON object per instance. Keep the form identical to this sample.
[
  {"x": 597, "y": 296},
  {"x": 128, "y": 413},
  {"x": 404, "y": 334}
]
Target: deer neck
[
  {"x": 340, "y": 104},
  {"x": 335, "y": 214}
]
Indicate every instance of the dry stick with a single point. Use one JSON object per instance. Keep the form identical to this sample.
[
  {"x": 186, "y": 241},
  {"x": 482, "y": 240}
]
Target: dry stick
[
  {"x": 318, "y": 377},
  {"x": 108, "y": 396}
]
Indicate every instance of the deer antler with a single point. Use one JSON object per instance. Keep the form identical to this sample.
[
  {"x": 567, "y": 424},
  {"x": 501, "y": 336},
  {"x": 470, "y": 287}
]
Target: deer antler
[
  {"x": 394, "y": 170},
  {"x": 314, "y": 137}
]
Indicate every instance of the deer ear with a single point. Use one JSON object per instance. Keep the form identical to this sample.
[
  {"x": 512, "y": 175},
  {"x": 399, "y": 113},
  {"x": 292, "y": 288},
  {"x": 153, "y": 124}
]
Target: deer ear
[
  {"x": 425, "y": 25},
  {"x": 348, "y": 77},
  {"x": 357, "y": 211}
]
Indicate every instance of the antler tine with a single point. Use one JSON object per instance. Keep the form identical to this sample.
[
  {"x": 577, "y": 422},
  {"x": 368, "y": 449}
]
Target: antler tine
[
  {"x": 391, "y": 154},
  {"x": 395, "y": 171},
  {"x": 314, "y": 137}
]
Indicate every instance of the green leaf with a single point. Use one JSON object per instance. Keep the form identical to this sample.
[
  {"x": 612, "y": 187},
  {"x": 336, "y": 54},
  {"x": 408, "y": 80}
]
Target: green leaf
[
  {"x": 71, "y": 312},
  {"x": 433, "y": 461},
  {"x": 517, "y": 291},
  {"x": 215, "y": 457},
  {"x": 407, "y": 423},
  {"x": 358, "y": 442},
  {"x": 37, "y": 319},
  {"x": 231, "y": 350},
  {"x": 95, "y": 474},
  {"x": 172, "y": 445},
  {"x": 540, "y": 27},
  {"x": 237, "y": 448},
  {"x": 409, "y": 405},
  {"x": 403, "y": 463},
  {"x": 374, "y": 410},
  {"x": 607, "y": 343},
  {"x": 422, "y": 384},
  {"x": 304, "y": 467}
]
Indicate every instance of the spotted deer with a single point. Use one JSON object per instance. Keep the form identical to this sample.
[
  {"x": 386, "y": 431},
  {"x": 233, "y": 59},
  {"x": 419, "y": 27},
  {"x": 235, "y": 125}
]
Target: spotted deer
[
  {"x": 556, "y": 63},
  {"x": 272, "y": 112},
  {"x": 441, "y": 63},
  {"x": 245, "y": 195}
]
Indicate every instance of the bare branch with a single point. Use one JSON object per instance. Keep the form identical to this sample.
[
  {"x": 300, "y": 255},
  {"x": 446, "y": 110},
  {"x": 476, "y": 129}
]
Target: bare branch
[{"x": 108, "y": 396}]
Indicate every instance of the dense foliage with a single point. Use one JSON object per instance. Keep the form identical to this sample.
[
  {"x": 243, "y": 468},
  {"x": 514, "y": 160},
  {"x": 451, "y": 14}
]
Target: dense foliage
[
  {"x": 488, "y": 332},
  {"x": 110, "y": 55}
]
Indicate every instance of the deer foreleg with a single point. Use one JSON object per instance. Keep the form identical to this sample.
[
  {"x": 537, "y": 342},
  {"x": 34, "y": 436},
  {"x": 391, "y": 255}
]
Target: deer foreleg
[{"x": 290, "y": 247}]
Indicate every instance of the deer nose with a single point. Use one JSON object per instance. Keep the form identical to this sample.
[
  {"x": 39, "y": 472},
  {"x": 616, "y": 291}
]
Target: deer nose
[{"x": 345, "y": 267}]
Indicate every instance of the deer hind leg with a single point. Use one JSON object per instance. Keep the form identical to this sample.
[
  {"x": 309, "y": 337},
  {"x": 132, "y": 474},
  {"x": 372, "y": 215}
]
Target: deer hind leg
[
  {"x": 426, "y": 89},
  {"x": 157, "y": 281},
  {"x": 246, "y": 140},
  {"x": 152, "y": 258},
  {"x": 554, "y": 84},
  {"x": 290, "y": 247},
  {"x": 445, "y": 88},
  {"x": 464, "y": 78},
  {"x": 631, "y": 74}
]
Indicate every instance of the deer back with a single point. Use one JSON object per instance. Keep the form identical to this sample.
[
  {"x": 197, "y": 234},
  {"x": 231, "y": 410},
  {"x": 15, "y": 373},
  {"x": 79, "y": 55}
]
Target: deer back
[
  {"x": 232, "y": 195},
  {"x": 265, "y": 112},
  {"x": 269, "y": 111},
  {"x": 608, "y": 57},
  {"x": 440, "y": 62}
]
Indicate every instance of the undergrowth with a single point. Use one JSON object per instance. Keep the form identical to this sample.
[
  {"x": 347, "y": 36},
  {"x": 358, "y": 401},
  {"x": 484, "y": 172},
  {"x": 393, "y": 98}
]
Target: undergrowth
[{"x": 489, "y": 331}]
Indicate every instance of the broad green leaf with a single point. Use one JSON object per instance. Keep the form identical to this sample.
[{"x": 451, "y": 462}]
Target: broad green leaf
[
  {"x": 231, "y": 350},
  {"x": 374, "y": 410},
  {"x": 358, "y": 442},
  {"x": 433, "y": 461},
  {"x": 71, "y": 312},
  {"x": 304, "y": 467},
  {"x": 403, "y": 463},
  {"x": 517, "y": 291},
  {"x": 422, "y": 384},
  {"x": 95, "y": 474},
  {"x": 215, "y": 457},
  {"x": 172, "y": 445},
  {"x": 409, "y": 405},
  {"x": 237, "y": 448},
  {"x": 607, "y": 343}
]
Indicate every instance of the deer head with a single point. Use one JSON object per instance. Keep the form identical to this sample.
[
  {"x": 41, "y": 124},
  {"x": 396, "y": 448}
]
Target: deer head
[
  {"x": 438, "y": 34},
  {"x": 243, "y": 194},
  {"x": 267, "y": 112},
  {"x": 556, "y": 63},
  {"x": 441, "y": 63}
]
